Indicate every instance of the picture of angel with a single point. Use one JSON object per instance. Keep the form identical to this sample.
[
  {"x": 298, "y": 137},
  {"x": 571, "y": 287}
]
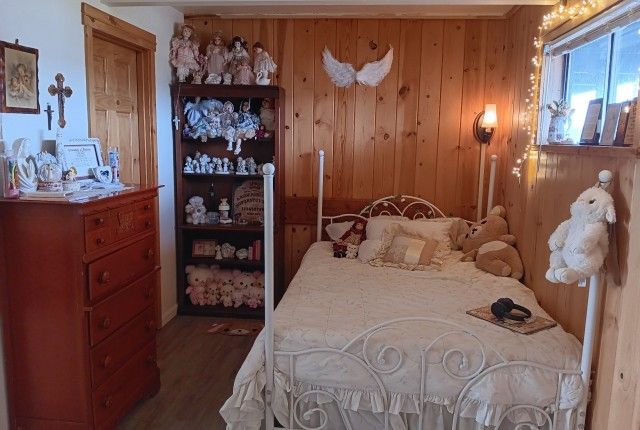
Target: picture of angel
[{"x": 18, "y": 79}]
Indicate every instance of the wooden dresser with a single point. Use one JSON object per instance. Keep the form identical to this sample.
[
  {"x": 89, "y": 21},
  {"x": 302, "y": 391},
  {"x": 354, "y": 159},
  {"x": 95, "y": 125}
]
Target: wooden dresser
[{"x": 79, "y": 288}]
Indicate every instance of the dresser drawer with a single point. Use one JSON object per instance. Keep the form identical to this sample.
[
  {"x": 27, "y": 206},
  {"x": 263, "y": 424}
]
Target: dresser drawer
[
  {"x": 121, "y": 307},
  {"x": 97, "y": 221},
  {"x": 111, "y": 354},
  {"x": 96, "y": 239},
  {"x": 116, "y": 270},
  {"x": 139, "y": 376},
  {"x": 133, "y": 219}
]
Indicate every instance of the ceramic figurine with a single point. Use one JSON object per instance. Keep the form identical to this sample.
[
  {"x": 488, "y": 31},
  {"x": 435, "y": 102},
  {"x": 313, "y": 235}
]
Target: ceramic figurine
[
  {"x": 216, "y": 56},
  {"x": 244, "y": 75},
  {"x": 213, "y": 79},
  {"x": 218, "y": 252},
  {"x": 219, "y": 166},
  {"x": 50, "y": 177},
  {"x": 26, "y": 165},
  {"x": 268, "y": 114},
  {"x": 188, "y": 168},
  {"x": 204, "y": 162},
  {"x": 251, "y": 166},
  {"x": 225, "y": 166},
  {"x": 184, "y": 53},
  {"x": 226, "y": 78},
  {"x": 43, "y": 158},
  {"x": 202, "y": 69},
  {"x": 232, "y": 169},
  {"x": 224, "y": 209},
  {"x": 237, "y": 52},
  {"x": 228, "y": 122},
  {"x": 263, "y": 64},
  {"x": 242, "y": 167},
  {"x": 228, "y": 250},
  {"x": 242, "y": 254}
]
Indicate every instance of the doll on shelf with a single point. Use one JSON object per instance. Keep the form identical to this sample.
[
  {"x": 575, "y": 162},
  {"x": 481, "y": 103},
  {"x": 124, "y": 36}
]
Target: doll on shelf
[
  {"x": 248, "y": 124},
  {"x": 263, "y": 64},
  {"x": 228, "y": 123},
  {"x": 244, "y": 75},
  {"x": 216, "y": 57},
  {"x": 237, "y": 52},
  {"x": 184, "y": 53}
]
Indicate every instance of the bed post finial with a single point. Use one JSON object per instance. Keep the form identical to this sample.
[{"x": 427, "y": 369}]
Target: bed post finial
[
  {"x": 320, "y": 195},
  {"x": 268, "y": 171}
]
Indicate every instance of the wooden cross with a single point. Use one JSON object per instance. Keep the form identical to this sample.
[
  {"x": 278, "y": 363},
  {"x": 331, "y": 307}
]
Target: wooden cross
[{"x": 61, "y": 91}]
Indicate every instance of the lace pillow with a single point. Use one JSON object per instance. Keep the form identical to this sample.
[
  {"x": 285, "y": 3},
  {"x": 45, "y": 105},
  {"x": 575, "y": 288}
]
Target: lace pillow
[
  {"x": 404, "y": 248},
  {"x": 336, "y": 230}
]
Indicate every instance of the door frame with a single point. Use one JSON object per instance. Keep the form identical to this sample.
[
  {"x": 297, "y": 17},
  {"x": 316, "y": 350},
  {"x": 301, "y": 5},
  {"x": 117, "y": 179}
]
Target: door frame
[{"x": 107, "y": 27}]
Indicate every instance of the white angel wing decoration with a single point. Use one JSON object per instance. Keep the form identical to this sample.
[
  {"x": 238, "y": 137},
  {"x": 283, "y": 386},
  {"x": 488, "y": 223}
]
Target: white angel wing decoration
[
  {"x": 344, "y": 75},
  {"x": 341, "y": 74},
  {"x": 372, "y": 74}
]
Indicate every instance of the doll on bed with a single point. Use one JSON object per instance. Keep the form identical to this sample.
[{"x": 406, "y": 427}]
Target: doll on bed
[{"x": 347, "y": 245}]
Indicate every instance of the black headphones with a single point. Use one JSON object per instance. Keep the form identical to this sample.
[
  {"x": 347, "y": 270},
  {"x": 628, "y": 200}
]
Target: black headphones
[{"x": 503, "y": 307}]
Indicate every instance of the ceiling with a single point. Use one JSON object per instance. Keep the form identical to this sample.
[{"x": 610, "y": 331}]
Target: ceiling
[{"x": 338, "y": 8}]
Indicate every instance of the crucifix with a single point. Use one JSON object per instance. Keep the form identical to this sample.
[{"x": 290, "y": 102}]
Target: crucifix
[
  {"x": 49, "y": 112},
  {"x": 62, "y": 92},
  {"x": 176, "y": 122}
]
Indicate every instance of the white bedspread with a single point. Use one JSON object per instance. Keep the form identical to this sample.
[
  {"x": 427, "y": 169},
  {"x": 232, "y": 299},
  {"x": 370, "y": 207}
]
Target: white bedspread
[{"x": 330, "y": 301}]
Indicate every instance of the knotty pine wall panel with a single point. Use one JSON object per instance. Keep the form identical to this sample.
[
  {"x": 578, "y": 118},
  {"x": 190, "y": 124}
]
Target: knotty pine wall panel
[{"x": 411, "y": 134}]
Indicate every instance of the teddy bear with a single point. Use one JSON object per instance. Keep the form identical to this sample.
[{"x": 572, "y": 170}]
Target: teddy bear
[
  {"x": 242, "y": 280},
  {"x": 196, "y": 211},
  {"x": 198, "y": 277},
  {"x": 490, "y": 245},
  {"x": 226, "y": 287},
  {"x": 580, "y": 244},
  {"x": 255, "y": 297}
]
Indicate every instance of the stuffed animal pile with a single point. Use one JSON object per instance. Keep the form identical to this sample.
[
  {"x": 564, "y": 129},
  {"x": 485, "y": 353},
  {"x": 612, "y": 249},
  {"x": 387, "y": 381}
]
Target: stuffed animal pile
[
  {"x": 210, "y": 285},
  {"x": 580, "y": 244},
  {"x": 490, "y": 245}
]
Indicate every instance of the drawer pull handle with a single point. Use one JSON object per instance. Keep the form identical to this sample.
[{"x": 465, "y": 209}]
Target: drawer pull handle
[
  {"x": 104, "y": 277},
  {"x": 151, "y": 360},
  {"x": 106, "y": 323},
  {"x": 107, "y": 402},
  {"x": 147, "y": 207},
  {"x": 147, "y": 223},
  {"x": 99, "y": 221},
  {"x": 150, "y": 254},
  {"x": 150, "y": 325},
  {"x": 106, "y": 363},
  {"x": 100, "y": 241}
]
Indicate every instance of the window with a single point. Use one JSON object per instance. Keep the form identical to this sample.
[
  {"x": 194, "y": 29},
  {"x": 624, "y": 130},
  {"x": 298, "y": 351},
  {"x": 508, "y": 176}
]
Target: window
[{"x": 601, "y": 60}]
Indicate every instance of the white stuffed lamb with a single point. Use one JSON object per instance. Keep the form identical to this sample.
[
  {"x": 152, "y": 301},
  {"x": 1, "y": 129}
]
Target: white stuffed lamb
[{"x": 580, "y": 244}]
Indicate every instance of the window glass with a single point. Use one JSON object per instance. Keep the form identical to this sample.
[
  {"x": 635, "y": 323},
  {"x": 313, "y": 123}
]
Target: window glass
[
  {"x": 586, "y": 80},
  {"x": 625, "y": 69}
]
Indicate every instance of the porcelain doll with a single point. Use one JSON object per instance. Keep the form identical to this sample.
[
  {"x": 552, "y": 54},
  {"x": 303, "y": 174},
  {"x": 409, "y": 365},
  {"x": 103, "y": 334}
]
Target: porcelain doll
[
  {"x": 184, "y": 53},
  {"x": 216, "y": 56},
  {"x": 237, "y": 52},
  {"x": 202, "y": 69},
  {"x": 263, "y": 64},
  {"x": 244, "y": 75},
  {"x": 248, "y": 123},
  {"x": 268, "y": 114},
  {"x": 226, "y": 78},
  {"x": 228, "y": 122}
]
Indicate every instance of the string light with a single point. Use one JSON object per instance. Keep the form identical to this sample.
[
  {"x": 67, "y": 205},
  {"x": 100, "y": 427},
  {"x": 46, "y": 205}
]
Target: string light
[{"x": 529, "y": 118}]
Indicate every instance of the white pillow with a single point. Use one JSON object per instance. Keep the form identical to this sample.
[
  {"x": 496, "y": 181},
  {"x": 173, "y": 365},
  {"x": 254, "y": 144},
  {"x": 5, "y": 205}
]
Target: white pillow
[
  {"x": 438, "y": 229},
  {"x": 376, "y": 225},
  {"x": 369, "y": 249},
  {"x": 337, "y": 229}
]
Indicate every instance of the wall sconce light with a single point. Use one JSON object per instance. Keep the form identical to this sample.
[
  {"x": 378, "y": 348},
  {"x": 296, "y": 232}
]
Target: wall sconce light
[{"x": 485, "y": 123}]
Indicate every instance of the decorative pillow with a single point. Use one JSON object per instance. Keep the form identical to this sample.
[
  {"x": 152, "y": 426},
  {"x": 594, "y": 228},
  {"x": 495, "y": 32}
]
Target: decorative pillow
[
  {"x": 405, "y": 247},
  {"x": 369, "y": 249},
  {"x": 439, "y": 229},
  {"x": 377, "y": 224},
  {"x": 336, "y": 230},
  {"x": 347, "y": 245}
]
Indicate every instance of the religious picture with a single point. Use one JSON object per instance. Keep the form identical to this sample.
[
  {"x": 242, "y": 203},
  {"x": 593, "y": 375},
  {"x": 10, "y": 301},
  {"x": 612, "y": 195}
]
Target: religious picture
[{"x": 18, "y": 79}]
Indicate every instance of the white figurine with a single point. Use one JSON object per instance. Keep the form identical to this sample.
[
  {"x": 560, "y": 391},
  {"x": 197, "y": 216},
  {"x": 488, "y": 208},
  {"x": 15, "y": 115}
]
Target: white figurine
[
  {"x": 227, "y": 78},
  {"x": 225, "y": 166},
  {"x": 263, "y": 64},
  {"x": 224, "y": 209},
  {"x": 242, "y": 167},
  {"x": 242, "y": 254},
  {"x": 188, "y": 168},
  {"x": 210, "y": 169},
  {"x": 26, "y": 165},
  {"x": 184, "y": 53},
  {"x": 228, "y": 250},
  {"x": 252, "y": 168},
  {"x": 219, "y": 169},
  {"x": 213, "y": 79},
  {"x": 197, "y": 169},
  {"x": 204, "y": 162},
  {"x": 218, "y": 253}
]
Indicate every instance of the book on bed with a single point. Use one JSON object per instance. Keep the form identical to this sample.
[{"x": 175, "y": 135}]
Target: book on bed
[{"x": 532, "y": 325}]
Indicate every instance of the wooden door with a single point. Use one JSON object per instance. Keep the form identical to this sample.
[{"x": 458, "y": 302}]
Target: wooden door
[{"x": 113, "y": 106}]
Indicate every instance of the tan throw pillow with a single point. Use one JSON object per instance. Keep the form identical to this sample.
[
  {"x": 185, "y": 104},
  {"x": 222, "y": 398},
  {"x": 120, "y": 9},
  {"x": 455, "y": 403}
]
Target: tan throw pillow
[{"x": 404, "y": 249}]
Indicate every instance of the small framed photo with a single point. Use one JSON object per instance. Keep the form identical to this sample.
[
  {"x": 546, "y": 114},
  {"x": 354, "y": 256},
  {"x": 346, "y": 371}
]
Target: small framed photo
[
  {"x": 203, "y": 248},
  {"x": 18, "y": 79},
  {"x": 611, "y": 119},
  {"x": 590, "y": 133}
]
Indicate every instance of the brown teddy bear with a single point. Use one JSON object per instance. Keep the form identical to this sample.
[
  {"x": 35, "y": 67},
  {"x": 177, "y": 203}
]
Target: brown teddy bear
[{"x": 490, "y": 245}]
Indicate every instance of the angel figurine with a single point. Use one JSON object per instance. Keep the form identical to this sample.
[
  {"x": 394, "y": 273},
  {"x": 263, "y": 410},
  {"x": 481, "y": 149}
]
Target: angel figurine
[
  {"x": 263, "y": 64},
  {"x": 184, "y": 53},
  {"x": 244, "y": 75},
  {"x": 216, "y": 55},
  {"x": 237, "y": 52}
]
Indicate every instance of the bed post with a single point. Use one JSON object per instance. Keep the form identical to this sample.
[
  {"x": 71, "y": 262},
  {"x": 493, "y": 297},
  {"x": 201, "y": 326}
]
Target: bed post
[
  {"x": 268, "y": 171},
  {"x": 320, "y": 195},
  {"x": 492, "y": 182},
  {"x": 593, "y": 304}
]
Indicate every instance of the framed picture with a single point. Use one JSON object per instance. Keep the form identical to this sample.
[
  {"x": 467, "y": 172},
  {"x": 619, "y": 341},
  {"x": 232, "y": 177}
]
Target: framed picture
[
  {"x": 590, "y": 135},
  {"x": 83, "y": 154},
  {"x": 610, "y": 127},
  {"x": 629, "y": 134},
  {"x": 623, "y": 122},
  {"x": 203, "y": 248},
  {"x": 18, "y": 79}
]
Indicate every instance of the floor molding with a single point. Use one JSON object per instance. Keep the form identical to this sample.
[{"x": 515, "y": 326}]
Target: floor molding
[{"x": 169, "y": 314}]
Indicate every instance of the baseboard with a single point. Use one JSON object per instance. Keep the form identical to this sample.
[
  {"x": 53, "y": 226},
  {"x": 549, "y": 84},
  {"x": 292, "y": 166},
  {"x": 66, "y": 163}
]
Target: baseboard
[{"x": 169, "y": 314}]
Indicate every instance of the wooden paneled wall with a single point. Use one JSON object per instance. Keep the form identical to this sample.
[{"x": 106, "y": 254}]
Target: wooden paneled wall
[
  {"x": 537, "y": 203},
  {"x": 412, "y": 134}
]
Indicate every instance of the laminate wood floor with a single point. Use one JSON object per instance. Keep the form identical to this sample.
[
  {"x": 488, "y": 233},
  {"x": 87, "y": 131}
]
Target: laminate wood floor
[{"x": 197, "y": 370}]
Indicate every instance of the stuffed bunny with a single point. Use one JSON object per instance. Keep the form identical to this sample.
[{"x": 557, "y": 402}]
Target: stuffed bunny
[{"x": 580, "y": 244}]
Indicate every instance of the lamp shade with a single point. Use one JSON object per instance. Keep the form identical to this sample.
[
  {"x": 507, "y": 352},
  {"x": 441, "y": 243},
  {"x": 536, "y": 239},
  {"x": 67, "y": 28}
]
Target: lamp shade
[{"x": 490, "y": 119}]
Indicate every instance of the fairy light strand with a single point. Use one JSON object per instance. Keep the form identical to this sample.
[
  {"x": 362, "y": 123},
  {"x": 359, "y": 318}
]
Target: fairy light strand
[{"x": 529, "y": 118}]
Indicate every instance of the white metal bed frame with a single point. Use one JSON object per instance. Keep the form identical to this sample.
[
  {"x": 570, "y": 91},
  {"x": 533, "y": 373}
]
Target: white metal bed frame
[{"x": 390, "y": 358}]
